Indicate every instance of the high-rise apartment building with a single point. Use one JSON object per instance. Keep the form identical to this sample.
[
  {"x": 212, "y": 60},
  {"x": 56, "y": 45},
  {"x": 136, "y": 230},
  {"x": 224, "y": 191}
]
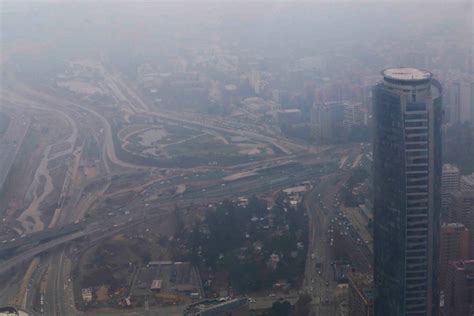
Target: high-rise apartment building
[
  {"x": 452, "y": 102},
  {"x": 467, "y": 182},
  {"x": 327, "y": 122},
  {"x": 459, "y": 295},
  {"x": 460, "y": 100},
  {"x": 355, "y": 114},
  {"x": 449, "y": 183},
  {"x": 407, "y": 192},
  {"x": 289, "y": 116},
  {"x": 466, "y": 102},
  {"x": 461, "y": 210},
  {"x": 454, "y": 246}
]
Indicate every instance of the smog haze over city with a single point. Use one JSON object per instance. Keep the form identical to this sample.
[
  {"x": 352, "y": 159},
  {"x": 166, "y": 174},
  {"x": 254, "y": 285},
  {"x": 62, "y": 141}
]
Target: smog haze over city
[{"x": 237, "y": 158}]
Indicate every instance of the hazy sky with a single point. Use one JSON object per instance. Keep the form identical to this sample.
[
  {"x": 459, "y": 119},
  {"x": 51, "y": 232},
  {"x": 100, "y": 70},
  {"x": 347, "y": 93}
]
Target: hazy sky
[{"x": 65, "y": 28}]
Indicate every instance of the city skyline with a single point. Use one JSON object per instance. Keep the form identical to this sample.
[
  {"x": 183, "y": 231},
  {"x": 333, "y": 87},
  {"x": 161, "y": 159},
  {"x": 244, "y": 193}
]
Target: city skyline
[{"x": 251, "y": 158}]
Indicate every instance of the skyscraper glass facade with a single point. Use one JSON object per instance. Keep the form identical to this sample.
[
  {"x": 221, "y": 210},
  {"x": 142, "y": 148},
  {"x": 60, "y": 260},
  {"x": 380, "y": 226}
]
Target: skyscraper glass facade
[{"x": 407, "y": 177}]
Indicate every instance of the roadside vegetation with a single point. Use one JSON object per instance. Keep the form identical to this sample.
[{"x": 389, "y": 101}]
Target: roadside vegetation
[{"x": 255, "y": 246}]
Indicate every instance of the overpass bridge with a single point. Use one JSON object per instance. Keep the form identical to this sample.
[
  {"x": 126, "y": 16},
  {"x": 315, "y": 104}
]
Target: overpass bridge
[{"x": 9, "y": 248}]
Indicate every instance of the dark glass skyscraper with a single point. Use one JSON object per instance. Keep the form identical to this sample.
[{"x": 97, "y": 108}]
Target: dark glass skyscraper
[{"x": 407, "y": 189}]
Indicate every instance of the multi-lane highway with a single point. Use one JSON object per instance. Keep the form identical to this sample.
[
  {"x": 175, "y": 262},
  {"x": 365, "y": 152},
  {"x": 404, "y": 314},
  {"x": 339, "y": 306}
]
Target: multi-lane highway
[
  {"x": 207, "y": 185},
  {"x": 10, "y": 142},
  {"x": 319, "y": 279}
]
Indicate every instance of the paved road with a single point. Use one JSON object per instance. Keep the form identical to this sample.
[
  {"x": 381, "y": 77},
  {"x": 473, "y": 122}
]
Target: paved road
[
  {"x": 319, "y": 277},
  {"x": 11, "y": 141},
  {"x": 56, "y": 260},
  {"x": 7, "y": 265},
  {"x": 55, "y": 278}
]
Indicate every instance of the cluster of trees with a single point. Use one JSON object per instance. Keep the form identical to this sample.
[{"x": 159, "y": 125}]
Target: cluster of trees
[
  {"x": 226, "y": 238},
  {"x": 284, "y": 308}
]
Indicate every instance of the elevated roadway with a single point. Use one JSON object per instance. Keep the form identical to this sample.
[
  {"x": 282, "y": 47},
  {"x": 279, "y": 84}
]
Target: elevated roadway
[{"x": 39, "y": 237}]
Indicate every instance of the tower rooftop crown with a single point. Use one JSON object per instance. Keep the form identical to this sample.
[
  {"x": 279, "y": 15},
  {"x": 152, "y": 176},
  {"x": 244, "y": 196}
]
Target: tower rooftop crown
[{"x": 406, "y": 74}]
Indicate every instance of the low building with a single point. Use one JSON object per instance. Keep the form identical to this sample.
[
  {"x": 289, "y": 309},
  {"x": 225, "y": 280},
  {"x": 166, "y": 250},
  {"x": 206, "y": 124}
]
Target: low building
[
  {"x": 219, "y": 307},
  {"x": 86, "y": 295},
  {"x": 361, "y": 294},
  {"x": 156, "y": 285},
  {"x": 273, "y": 261},
  {"x": 165, "y": 282}
]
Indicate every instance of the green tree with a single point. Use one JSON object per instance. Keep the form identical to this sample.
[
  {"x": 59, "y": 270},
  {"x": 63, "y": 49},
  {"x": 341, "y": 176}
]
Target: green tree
[
  {"x": 302, "y": 306},
  {"x": 280, "y": 309}
]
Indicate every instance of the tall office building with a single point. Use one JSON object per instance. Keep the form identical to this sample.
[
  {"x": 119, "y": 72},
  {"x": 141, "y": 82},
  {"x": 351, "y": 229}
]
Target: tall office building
[
  {"x": 407, "y": 192},
  {"x": 449, "y": 183}
]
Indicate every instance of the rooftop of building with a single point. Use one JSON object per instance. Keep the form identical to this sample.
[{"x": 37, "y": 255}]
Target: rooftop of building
[
  {"x": 464, "y": 265},
  {"x": 177, "y": 279},
  {"x": 290, "y": 111},
  {"x": 453, "y": 225},
  {"x": 406, "y": 74},
  {"x": 344, "y": 102},
  {"x": 463, "y": 194},
  {"x": 216, "y": 305},
  {"x": 447, "y": 167},
  {"x": 468, "y": 178}
]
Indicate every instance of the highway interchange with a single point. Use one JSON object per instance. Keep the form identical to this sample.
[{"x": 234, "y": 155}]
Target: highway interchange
[{"x": 302, "y": 163}]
